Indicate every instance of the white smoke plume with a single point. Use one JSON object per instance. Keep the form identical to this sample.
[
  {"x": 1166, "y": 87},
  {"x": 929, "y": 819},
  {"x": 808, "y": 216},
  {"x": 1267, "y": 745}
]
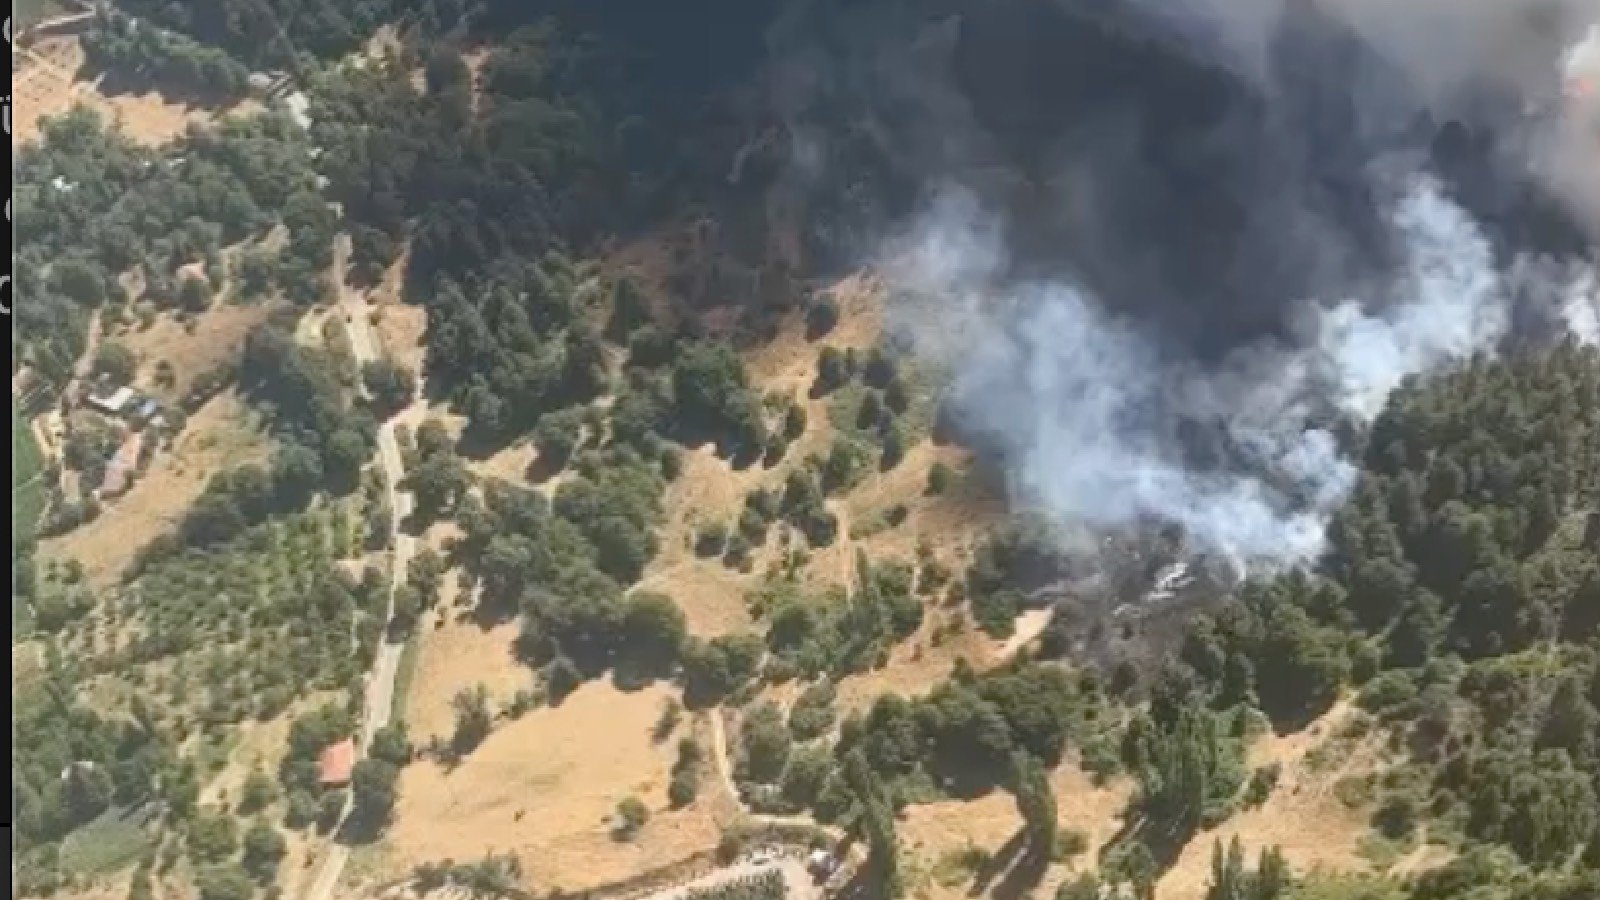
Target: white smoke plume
[{"x": 1081, "y": 404}]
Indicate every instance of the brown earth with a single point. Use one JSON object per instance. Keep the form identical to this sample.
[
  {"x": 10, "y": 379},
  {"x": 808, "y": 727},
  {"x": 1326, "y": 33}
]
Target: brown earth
[
  {"x": 49, "y": 78},
  {"x": 458, "y": 655},
  {"x": 203, "y": 343},
  {"x": 932, "y": 834},
  {"x": 544, "y": 788}
]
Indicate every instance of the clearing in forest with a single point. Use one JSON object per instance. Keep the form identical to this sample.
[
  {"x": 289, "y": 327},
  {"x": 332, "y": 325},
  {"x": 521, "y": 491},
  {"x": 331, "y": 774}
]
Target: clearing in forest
[
  {"x": 173, "y": 351},
  {"x": 951, "y": 845},
  {"x": 49, "y": 78},
  {"x": 545, "y": 787},
  {"x": 1304, "y": 816}
]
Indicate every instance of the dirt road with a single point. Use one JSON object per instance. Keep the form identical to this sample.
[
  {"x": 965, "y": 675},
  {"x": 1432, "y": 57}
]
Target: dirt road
[{"x": 380, "y": 698}]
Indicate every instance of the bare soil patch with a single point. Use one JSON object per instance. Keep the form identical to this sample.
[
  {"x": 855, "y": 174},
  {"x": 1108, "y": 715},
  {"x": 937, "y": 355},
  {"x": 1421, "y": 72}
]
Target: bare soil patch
[
  {"x": 544, "y": 788},
  {"x": 192, "y": 347},
  {"x": 402, "y": 327},
  {"x": 222, "y": 433},
  {"x": 49, "y": 78}
]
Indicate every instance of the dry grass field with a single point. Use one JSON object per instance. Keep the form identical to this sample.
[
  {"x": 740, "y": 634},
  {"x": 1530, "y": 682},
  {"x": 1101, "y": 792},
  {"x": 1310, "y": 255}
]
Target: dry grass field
[
  {"x": 1303, "y": 816},
  {"x": 545, "y": 786},
  {"x": 49, "y": 78}
]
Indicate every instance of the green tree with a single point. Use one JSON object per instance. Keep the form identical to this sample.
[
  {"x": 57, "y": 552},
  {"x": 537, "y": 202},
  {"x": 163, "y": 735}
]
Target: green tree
[
  {"x": 373, "y": 788},
  {"x": 631, "y": 817},
  {"x": 557, "y": 435},
  {"x": 194, "y": 294},
  {"x": 258, "y": 793},
  {"x": 821, "y": 317},
  {"x": 264, "y": 848},
  {"x": 473, "y": 719},
  {"x": 766, "y": 743},
  {"x": 224, "y": 882},
  {"x": 212, "y": 836},
  {"x": 390, "y": 384},
  {"x": 391, "y": 745},
  {"x": 1036, "y": 801},
  {"x": 114, "y": 360}
]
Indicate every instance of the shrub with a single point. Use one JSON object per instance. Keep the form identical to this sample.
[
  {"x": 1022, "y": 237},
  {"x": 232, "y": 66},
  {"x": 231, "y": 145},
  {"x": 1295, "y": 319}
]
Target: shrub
[{"x": 632, "y": 815}]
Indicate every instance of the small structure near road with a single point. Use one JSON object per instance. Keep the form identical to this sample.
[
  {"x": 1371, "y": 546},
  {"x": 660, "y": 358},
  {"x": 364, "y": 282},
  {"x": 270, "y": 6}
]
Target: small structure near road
[
  {"x": 113, "y": 402},
  {"x": 337, "y": 763}
]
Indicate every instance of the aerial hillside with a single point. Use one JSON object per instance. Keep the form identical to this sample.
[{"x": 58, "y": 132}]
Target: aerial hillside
[{"x": 464, "y": 459}]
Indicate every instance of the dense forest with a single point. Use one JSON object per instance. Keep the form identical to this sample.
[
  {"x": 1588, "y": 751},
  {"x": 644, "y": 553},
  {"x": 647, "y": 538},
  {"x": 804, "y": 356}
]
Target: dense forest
[{"x": 1458, "y": 605}]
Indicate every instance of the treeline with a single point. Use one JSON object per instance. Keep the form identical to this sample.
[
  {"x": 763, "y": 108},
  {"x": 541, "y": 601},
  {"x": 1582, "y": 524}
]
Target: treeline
[
  {"x": 1462, "y": 597},
  {"x": 144, "y": 50},
  {"x": 276, "y": 34}
]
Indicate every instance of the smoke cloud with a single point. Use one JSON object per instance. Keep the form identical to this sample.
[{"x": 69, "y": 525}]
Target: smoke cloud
[
  {"x": 1089, "y": 417},
  {"x": 1175, "y": 255}
]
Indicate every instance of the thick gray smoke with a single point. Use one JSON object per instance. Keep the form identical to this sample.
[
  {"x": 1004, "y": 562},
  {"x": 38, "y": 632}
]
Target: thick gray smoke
[
  {"x": 1206, "y": 388},
  {"x": 1085, "y": 409},
  {"x": 1172, "y": 251}
]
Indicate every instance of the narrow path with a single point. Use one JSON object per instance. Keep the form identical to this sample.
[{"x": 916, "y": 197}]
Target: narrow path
[
  {"x": 719, "y": 755},
  {"x": 379, "y": 704}
]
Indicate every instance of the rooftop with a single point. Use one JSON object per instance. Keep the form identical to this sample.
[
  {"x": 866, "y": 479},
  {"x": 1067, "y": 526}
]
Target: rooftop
[{"x": 337, "y": 762}]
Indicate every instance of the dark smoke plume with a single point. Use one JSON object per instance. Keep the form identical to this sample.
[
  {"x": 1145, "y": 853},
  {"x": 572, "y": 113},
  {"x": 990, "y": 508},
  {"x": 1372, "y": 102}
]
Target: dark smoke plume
[{"x": 1176, "y": 253}]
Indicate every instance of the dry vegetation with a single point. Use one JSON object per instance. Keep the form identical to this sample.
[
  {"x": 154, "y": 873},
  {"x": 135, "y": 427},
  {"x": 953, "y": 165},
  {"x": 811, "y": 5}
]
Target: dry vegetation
[
  {"x": 935, "y": 836},
  {"x": 1303, "y": 816},
  {"x": 455, "y": 656},
  {"x": 191, "y": 347},
  {"x": 544, "y": 788},
  {"x": 49, "y": 78},
  {"x": 224, "y": 432}
]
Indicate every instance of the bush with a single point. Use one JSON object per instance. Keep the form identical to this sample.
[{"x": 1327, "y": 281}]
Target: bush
[
  {"x": 115, "y": 361},
  {"x": 813, "y": 714},
  {"x": 711, "y": 540},
  {"x": 939, "y": 478},
  {"x": 684, "y": 788},
  {"x": 1069, "y": 843},
  {"x": 821, "y": 318},
  {"x": 390, "y": 384},
  {"x": 738, "y": 551},
  {"x": 557, "y": 435},
  {"x": 632, "y": 815},
  {"x": 258, "y": 793},
  {"x": 833, "y": 370},
  {"x": 1261, "y": 783}
]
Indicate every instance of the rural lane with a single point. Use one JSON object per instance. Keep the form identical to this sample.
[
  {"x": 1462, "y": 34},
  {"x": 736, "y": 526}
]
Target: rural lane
[{"x": 379, "y": 703}]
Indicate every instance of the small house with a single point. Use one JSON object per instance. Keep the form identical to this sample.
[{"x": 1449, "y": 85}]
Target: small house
[
  {"x": 112, "y": 403},
  {"x": 337, "y": 763}
]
